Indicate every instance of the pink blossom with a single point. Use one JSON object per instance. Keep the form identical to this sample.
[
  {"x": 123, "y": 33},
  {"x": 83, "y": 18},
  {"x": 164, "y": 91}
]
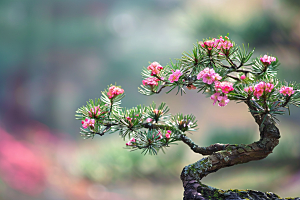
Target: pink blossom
[
  {"x": 223, "y": 100},
  {"x": 209, "y": 44},
  {"x": 243, "y": 77},
  {"x": 224, "y": 86},
  {"x": 217, "y": 77},
  {"x": 269, "y": 87},
  {"x": 224, "y": 45},
  {"x": 155, "y": 68},
  {"x": 209, "y": 76},
  {"x": 149, "y": 120},
  {"x": 175, "y": 75},
  {"x": 249, "y": 89},
  {"x": 114, "y": 91},
  {"x": 128, "y": 143},
  {"x": 168, "y": 134},
  {"x": 262, "y": 87},
  {"x": 286, "y": 90},
  {"x": 129, "y": 119},
  {"x": 156, "y": 111},
  {"x": 95, "y": 112},
  {"x": 266, "y": 60},
  {"x": 132, "y": 140},
  {"x": 88, "y": 123},
  {"x": 151, "y": 81},
  {"x": 215, "y": 97}
]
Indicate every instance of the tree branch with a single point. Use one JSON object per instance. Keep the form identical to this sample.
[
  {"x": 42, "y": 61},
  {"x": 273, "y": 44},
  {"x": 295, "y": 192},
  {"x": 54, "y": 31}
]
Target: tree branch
[
  {"x": 231, "y": 155},
  {"x": 203, "y": 150}
]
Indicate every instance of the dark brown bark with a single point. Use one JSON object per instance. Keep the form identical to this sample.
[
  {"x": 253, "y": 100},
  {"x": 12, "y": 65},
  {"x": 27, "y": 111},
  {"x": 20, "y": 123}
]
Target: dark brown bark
[{"x": 221, "y": 156}]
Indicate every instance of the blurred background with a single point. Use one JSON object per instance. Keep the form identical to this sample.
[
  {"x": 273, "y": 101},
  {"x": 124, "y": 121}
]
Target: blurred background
[{"x": 55, "y": 55}]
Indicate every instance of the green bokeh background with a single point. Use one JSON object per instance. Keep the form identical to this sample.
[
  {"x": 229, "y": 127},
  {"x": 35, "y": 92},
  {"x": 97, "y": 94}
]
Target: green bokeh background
[{"x": 55, "y": 55}]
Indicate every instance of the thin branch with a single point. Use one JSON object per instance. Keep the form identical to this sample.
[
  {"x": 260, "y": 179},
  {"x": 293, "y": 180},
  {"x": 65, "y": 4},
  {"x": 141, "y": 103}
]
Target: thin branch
[
  {"x": 203, "y": 150},
  {"x": 158, "y": 91}
]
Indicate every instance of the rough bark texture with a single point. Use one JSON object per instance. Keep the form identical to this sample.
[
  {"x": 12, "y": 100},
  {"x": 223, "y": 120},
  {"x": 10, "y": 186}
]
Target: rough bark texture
[{"x": 231, "y": 155}]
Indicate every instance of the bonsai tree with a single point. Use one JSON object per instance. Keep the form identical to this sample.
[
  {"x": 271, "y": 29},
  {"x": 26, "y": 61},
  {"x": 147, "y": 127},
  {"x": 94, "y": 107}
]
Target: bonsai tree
[{"x": 224, "y": 72}]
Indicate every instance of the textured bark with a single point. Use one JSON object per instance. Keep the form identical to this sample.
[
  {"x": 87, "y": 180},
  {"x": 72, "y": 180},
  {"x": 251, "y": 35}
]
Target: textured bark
[{"x": 225, "y": 156}]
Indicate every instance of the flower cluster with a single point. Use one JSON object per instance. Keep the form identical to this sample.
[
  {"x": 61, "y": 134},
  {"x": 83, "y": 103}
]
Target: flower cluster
[
  {"x": 151, "y": 81},
  {"x": 168, "y": 134},
  {"x": 209, "y": 44},
  {"x": 114, "y": 91},
  {"x": 88, "y": 123},
  {"x": 222, "y": 99},
  {"x": 224, "y": 87},
  {"x": 131, "y": 142},
  {"x": 221, "y": 44},
  {"x": 266, "y": 60},
  {"x": 175, "y": 75},
  {"x": 209, "y": 76},
  {"x": 95, "y": 112},
  {"x": 155, "y": 68},
  {"x": 259, "y": 89},
  {"x": 286, "y": 90}
]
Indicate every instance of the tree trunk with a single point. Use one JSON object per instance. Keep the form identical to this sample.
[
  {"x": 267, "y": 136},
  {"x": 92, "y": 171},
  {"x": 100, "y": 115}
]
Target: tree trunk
[{"x": 231, "y": 155}]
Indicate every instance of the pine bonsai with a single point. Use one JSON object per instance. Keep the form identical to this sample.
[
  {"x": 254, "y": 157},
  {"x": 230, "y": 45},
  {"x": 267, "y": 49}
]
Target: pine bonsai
[{"x": 223, "y": 71}]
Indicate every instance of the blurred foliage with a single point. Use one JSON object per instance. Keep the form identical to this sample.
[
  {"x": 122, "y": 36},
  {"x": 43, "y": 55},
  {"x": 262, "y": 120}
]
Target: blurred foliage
[{"x": 237, "y": 135}]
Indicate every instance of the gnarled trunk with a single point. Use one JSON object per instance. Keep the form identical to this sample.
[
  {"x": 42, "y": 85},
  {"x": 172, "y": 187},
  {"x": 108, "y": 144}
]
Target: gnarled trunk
[{"x": 230, "y": 155}]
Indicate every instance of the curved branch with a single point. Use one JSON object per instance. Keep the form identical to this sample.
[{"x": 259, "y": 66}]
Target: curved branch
[
  {"x": 203, "y": 150},
  {"x": 231, "y": 155}
]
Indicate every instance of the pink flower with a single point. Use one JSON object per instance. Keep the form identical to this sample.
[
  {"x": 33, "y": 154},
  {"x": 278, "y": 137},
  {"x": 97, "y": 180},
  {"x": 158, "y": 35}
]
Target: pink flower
[
  {"x": 224, "y": 86},
  {"x": 262, "y": 87},
  {"x": 168, "y": 134},
  {"x": 95, "y": 112},
  {"x": 155, "y": 68},
  {"x": 224, "y": 45},
  {"x": 132, "y": 140},
  {"x": 209, "y": 44},
  {"x": 269, "y": 87},
  {"x": 217, "y": 77},
  {"x": 88, "y": 123},
  {"x": 114, "y": 91},
  {"x": 128, "y": 143},
  {"x": 209, "y": 76},
  {"x": 149, "y": 120},
  {"x": 266, "y": 60},
  {"x": 214, "y": 97},
  {"x": 151, "y": 81},
  {"x": 175, "y": 75},
  {"x": 286, "y": 90},
  {"x": 243, "y": 77},
  {"x": 249, "y": 89},
  {"x": 129, "y": 119},
  {"x": 223, "y": 100}
]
